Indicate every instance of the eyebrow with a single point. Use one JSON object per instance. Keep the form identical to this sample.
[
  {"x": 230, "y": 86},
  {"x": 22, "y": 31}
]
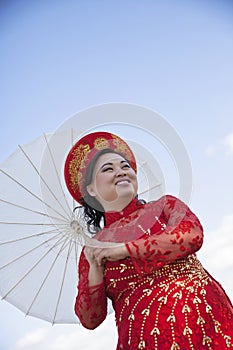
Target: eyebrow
[{"x": 109, "y": 163}]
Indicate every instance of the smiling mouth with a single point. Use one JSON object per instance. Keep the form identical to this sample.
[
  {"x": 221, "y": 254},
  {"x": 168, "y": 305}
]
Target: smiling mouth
[{"x": 122, "y": 182}]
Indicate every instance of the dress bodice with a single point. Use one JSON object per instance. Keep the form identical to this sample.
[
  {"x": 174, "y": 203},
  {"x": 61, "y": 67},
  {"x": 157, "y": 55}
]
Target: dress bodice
[{"x": 162, "y": 296}]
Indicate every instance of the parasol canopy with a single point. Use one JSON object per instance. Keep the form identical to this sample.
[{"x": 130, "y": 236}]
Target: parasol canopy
[{"x": 41, "y": 236}]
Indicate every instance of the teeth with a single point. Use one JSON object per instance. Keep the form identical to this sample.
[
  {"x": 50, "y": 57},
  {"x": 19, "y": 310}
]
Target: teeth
[{"x": 122, "y": 182}]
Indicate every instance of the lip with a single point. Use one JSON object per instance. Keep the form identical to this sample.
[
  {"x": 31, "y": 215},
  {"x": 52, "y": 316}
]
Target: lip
[{"x": 122, "y": 181}]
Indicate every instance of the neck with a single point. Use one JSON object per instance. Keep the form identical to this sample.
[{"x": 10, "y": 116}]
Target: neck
[{"x": 117, "y": 206}]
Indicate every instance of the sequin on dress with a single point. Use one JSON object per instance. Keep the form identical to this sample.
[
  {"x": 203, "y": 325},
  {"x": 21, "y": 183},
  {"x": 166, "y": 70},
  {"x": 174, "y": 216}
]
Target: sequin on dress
[{"x": 162, "y": 296}]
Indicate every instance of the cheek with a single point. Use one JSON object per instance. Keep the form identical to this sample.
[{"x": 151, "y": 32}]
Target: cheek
[
  {"x": 104, "y": 188},
  {"x": 135, "y": 185},
  {"x": 102, "y": 180},
  {"x": 134, "y": 179}
]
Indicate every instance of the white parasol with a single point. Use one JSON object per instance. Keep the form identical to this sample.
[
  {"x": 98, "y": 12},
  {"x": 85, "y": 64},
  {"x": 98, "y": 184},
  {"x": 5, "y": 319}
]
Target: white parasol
[{"x": 40, "y": 234}]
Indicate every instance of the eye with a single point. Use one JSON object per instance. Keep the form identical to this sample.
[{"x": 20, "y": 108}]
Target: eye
[
  {"x": 104, "y": 170},
  {"x": 126, "y": 166}
]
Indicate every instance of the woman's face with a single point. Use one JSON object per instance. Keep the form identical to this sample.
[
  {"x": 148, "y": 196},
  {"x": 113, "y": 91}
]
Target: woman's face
[{"x": 114, "y": 182}]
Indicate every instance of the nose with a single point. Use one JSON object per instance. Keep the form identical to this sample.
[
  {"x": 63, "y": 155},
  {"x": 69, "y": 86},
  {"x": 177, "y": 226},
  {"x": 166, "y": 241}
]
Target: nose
[{"x": 120, "y": 172}]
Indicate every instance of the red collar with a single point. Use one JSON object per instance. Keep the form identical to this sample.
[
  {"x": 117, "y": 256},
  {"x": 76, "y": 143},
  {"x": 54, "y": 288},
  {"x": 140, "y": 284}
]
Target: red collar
[
  {"x": 132, "y": 222},
  {"x": 111, "y": 217}
]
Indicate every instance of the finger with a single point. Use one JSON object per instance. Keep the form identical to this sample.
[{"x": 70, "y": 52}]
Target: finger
[
  {"x": 100, "y": 257},
  {"x": 89, "y": 255},
  {"x": 88, "y": 252}
]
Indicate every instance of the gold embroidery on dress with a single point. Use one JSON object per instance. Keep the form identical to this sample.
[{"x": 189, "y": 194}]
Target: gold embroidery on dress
[{"x": 191, "y": 290}]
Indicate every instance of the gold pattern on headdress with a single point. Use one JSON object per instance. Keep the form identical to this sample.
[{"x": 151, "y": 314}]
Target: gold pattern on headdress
[
  {"x": 121, "y": 147},
  {"x": 101, "y": 143},
  {"x": 83, "y": 154},
  {"x": 78, "y": 162}
]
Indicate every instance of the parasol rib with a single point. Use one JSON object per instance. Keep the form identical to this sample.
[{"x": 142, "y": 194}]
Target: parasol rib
[
  {"x": 31, "y": 250},
  {"x": 33, "y": 267},
  {"x": 28, "y": 237},
  {"x": 72, "y": 144},
  {"x": 33, "y": 194},
  {"x": 31, "y": 223},
  {"x": 31, "y": 210},
  {"x": 57, "y": 175},
  {"x": 76, "y": 252},
  {"x": 42, "y": 179},
  {"x": 63, "y": 279},
  {"x": 45, "y": 278},
  {"x": 149, "y": 189}
]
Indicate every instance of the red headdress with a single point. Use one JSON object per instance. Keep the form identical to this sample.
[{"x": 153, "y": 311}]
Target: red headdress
[{"x": 84, "y": 151}]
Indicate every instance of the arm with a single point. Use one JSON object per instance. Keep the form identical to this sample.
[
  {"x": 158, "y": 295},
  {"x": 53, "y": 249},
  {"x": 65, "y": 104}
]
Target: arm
[
  {"x": 116, "y": 253},
  {"x": 91, "y": 301},
  {"x": 181, "y": 236}
]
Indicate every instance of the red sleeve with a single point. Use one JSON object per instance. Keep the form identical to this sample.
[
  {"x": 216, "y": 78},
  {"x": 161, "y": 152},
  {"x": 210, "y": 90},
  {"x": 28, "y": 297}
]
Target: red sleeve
[
  {"x": 91, "y": 302},
  {"x": 179, "y": 235}
]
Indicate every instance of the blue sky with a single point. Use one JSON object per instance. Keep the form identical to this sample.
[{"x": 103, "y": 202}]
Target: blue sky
[{"x": 174, "y": 57}]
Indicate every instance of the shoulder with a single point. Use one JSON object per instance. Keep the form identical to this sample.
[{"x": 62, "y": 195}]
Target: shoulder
[
  {"x": 166, "y": 199},
  {"x": 166, "y": 204}
]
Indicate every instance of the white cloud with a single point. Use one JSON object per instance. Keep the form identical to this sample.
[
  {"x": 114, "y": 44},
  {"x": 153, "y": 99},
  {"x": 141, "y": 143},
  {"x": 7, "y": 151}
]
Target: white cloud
[
  {"x": 210, "y": 150},
  {"x": 31, "y": 339},
  {"x": 224, "y": 145},
  {"x": 228, "y": 142},
  {"x": 217, "y": 253}
]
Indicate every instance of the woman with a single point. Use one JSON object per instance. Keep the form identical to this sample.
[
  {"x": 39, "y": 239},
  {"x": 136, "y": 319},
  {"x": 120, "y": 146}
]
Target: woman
[{"x": 162, "y": 296}]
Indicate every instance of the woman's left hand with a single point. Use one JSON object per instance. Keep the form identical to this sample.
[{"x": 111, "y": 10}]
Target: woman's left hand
[{"x": 111, "y": 254}]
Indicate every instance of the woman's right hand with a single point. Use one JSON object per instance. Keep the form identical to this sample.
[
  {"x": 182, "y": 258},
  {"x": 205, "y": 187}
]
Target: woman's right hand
[
  {"x": 90, "y": 254},
  {"x": 96, "y": 271}
]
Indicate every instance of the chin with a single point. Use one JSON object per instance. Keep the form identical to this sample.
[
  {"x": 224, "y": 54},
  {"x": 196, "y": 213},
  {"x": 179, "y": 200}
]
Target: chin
[
  {"x": 128, "y": 191},
  {"x": 126, "y": 194}
]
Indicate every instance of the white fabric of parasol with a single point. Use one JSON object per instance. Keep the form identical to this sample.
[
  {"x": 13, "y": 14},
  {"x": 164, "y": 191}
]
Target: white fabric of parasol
[{"x": 40, "y": 236}]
